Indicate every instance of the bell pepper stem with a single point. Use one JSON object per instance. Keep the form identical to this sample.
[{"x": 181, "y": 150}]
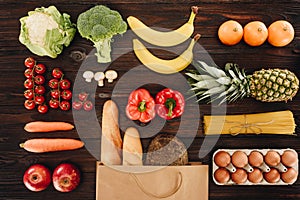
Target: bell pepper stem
[
  {"x": 170, "y": 104},
  {"x": 142, "y": 106},
  {"x": 170, "y": 109}
]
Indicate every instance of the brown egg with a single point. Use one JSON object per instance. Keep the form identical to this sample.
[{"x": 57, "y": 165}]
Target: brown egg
[
  {"x": 240, "y": 176},
  {"x": 256, "y": 176},
  {"x": 222, "y": 175},
  {"x": 256, "y": 159},
  {"x": 273, "y": 176},
  {"x": 272, "y": 158},
  {"x": 239, "y": 159},
  {"x": 289, "y": 158},
  {"x": 290, "y": 176},
  {"x": 222, "y": 159}
]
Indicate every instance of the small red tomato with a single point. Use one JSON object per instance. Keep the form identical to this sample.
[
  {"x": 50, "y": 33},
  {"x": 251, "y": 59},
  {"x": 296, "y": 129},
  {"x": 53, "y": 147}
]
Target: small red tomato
[
  {"x": 66, "y": 94},
  {"x": 57, "y": 73},
  {"x": 55, "y": 94},
  {"x": 28, "y": 84},
  {"x": 83, "y": 96},
  {"x": 53, "y": 83},
  {"x": 28, "y": 94},
  {"x": 64, "y": 105},
  {"x": 28, "y": 73},
  {"x": 88, "y": 105},
  {"x": 39, "y": 99},
  {"x": 29, "y": 62},
  {"x": 29, "y": 104},
  {"x": 39, "y": 89},
  {"x": 64, "y": 84},
  {"x": 43, "y": 108},
  {"x": 40, "y": 68},
  {"x": 54, "y": 103},
  {"x": 77, "y": 105},
  {"x": 39, "y": 79}
]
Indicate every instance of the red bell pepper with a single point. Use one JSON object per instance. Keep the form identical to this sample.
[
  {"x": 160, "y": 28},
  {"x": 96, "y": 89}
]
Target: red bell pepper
[
  {"x": 141, "y": 106},
  {"x": 169, "y": 103}
]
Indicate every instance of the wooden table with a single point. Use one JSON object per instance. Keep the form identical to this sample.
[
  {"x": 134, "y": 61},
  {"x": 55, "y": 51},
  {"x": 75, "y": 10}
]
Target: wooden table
[{"x": 160, "y": 13}]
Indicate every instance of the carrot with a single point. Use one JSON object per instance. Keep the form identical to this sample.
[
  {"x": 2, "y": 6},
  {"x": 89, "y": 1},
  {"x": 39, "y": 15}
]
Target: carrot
[
  {"x": 41, "y": 145},
  {"x": 41, "y": 126}
]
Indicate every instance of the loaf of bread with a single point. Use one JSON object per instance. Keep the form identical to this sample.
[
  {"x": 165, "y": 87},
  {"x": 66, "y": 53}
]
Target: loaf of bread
[
  {"x": 166, "y": 149},
  {"x": 111, "y": 142},
  {"x": 132, "y": 147}
]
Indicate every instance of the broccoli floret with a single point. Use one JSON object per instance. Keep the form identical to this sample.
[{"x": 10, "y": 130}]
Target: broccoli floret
[{"x": 99, "y": 24}]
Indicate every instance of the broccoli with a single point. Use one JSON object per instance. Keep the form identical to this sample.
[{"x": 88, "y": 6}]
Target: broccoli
[{"x": 99, "y": 24}]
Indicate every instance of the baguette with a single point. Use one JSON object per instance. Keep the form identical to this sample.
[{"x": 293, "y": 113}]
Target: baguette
[
  {"x": 132, "y": 147},
  {"x": 111, "y": 142}
]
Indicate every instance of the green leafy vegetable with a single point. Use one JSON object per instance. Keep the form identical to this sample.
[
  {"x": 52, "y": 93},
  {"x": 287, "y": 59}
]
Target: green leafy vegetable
[
  {"x": 99, "y": 24},
  {"x": 45, "y": 31}
]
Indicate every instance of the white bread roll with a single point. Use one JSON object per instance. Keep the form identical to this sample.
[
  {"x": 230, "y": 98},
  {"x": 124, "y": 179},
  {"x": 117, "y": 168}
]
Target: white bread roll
[
  {"x": 111, "y": 142},
  {"x": 132, "y": 147}
]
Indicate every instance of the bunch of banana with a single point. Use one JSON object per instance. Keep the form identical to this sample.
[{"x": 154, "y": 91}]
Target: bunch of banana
[{"x": 164, "y": 39}]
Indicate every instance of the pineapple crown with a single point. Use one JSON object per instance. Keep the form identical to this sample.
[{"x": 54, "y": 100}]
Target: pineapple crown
[{"x": 211, "y": 84}]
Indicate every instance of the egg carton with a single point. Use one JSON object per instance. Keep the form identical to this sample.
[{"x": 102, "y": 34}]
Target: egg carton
[{"x": 231, "y": 168}]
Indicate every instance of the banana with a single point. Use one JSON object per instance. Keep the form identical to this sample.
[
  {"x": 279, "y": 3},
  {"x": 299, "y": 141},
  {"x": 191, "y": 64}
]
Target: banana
[
  {"x": 164, "y": 39},
  {"x": 164, "y": 66}
]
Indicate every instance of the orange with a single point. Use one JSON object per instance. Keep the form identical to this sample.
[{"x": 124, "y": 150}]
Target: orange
[
  {"x": 230, "y": 32},
  {"x": 281, "y": 33},
  {"x": 255, "y": 33}
]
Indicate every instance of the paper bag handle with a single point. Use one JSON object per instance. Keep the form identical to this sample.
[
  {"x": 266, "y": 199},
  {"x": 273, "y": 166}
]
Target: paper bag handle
[{"x": 141, "y": 186}]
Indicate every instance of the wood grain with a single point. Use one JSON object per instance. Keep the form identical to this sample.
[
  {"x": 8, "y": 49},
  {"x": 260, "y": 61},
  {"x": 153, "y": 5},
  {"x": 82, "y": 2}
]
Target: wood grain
[{"x": 159, "y": 13}]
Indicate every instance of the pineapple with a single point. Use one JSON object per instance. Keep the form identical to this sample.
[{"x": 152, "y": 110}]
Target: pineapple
[{"x": 215, "y": 85}]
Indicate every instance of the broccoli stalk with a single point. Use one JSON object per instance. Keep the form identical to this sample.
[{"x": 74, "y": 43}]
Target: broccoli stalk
[
  {"x": 99, "y": 24},
  {"x": 103, "y": 49}
]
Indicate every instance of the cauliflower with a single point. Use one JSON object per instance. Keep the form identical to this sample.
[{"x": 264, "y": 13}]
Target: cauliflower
[
  {"x": 99, "y": 24},
  {"x": 45, "y": 31}
]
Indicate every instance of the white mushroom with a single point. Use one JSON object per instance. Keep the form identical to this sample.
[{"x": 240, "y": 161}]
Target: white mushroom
[
  {"x": 111, "y": 75},
  {"x": 99, "y": 77},
  {"x": 88, "y": 75}
]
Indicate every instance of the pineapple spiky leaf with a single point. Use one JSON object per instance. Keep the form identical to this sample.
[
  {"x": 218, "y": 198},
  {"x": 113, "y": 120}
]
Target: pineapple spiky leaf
[{"x": 216, "y": 85}]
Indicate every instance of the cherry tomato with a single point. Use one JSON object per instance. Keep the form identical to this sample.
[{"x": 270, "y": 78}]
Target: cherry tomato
[
  {"x": 29, "y": 104},
  {"x": 66, "y": 94},
  {"x": 88, "y": 105},
  {"x": 29, "y": 62},
  {"x": 83, "y": 96},
  {"x": 64, "y": 105},
  {"x": 64, "y": 84},
  {"x": 39, "y": 99},
  {"x": 39, "y": 89},
  {"x": 77, "y": 105},
  {"x": 43, "y": 108},
  {"x": 57, "y": 73},
  {"x": 40, "y": 68},
  {"x": 28, "y": 73},
  {"x": 28, "y": 94},
  {"x": 28, "y": 84},
  {"x": 54, "y": 103},
  {"x": 55, "y": 94},
  {"x": 53, "y": 83},
  {"x": 39, "y": 79}
]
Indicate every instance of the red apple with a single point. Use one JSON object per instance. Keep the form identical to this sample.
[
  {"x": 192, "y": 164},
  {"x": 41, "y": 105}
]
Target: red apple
[
  {"x": 37, "y": 177},
  {"x": 66, "y": 177}
]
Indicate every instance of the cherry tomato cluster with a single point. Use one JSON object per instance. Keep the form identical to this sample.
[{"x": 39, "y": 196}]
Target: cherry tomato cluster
[
  {"x": 35, "y": 90},
  {"x": 60, "y": 90},
  {"x": 83, "y": 102}
]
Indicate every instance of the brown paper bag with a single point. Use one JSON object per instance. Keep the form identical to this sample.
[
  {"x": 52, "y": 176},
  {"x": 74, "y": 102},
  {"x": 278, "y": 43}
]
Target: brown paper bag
[{"x": 152, "y": 182}]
